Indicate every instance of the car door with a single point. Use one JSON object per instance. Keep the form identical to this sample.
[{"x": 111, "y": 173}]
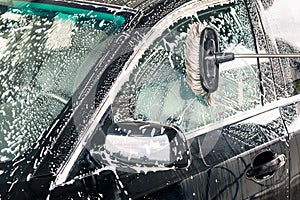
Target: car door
[
  {"x": 238, "y": 144},
  {"x": 225, "y": 151}
]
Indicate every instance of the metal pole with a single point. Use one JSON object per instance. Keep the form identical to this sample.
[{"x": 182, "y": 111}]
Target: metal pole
[{"x": 267, "y": 55}]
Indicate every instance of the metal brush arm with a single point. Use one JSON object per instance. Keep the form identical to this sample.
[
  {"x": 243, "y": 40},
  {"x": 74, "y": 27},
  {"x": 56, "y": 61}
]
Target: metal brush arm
[
  {"x": 221, "y": 57},
  {"x": 267, "y": 55}
]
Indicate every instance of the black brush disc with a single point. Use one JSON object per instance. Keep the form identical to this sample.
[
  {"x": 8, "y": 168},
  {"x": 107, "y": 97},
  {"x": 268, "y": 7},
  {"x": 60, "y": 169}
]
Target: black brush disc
[{"x": 209, "y": 69}]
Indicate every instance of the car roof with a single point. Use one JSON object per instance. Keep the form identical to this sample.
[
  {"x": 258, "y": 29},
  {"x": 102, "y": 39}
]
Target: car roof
[
  {"x": 136, "y": 4},
  {"x": 128, "y": 3}
]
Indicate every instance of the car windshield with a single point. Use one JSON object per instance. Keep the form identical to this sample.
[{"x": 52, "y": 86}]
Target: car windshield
[{"x": 45, "y": 52}]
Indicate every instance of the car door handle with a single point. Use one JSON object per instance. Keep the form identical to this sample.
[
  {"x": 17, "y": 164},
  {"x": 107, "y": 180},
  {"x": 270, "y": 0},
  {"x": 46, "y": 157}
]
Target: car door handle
[{"x": 267, "y": 169}]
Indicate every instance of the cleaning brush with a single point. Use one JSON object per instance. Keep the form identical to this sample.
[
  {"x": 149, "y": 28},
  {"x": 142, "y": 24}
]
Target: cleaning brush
[
  {"x": 202, "y": 59},
  {"x": 193, "y": 60}
]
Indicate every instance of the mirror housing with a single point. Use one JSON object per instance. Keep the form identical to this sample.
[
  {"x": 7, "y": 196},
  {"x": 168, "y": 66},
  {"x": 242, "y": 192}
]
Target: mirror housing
[{"x": 146, "y": 144}]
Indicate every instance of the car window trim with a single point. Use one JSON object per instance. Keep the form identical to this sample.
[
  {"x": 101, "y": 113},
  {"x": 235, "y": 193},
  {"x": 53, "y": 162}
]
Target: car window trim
[{"x": 242, "y": 116}]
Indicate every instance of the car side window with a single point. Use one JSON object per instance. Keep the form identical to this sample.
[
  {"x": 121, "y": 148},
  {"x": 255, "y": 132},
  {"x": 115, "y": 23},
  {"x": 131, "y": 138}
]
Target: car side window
[{"x": 157, "y": 89}]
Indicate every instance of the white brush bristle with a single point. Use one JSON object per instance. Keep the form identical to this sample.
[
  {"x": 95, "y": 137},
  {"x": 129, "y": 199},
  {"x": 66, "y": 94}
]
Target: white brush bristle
[{"x": 192, "y": 61}]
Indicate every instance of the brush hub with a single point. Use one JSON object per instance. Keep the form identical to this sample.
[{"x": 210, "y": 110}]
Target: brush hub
[{"x": 209, "y": 68}]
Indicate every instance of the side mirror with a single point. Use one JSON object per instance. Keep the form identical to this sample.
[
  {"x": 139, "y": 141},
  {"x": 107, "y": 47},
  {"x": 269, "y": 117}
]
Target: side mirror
[{"x": 146, "y": 144}]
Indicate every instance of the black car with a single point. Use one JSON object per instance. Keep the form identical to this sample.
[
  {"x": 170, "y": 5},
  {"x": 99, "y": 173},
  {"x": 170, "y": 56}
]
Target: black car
[{"x": 95, "y": 102}]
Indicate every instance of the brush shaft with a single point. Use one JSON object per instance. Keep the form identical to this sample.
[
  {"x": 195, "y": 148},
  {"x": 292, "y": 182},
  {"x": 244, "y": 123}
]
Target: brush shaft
[{"x": 267, "y": 55}]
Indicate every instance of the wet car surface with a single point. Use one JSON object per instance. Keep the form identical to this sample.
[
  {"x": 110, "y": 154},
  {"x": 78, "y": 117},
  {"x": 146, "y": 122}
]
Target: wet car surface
[{"x": 95, "y": 104}]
